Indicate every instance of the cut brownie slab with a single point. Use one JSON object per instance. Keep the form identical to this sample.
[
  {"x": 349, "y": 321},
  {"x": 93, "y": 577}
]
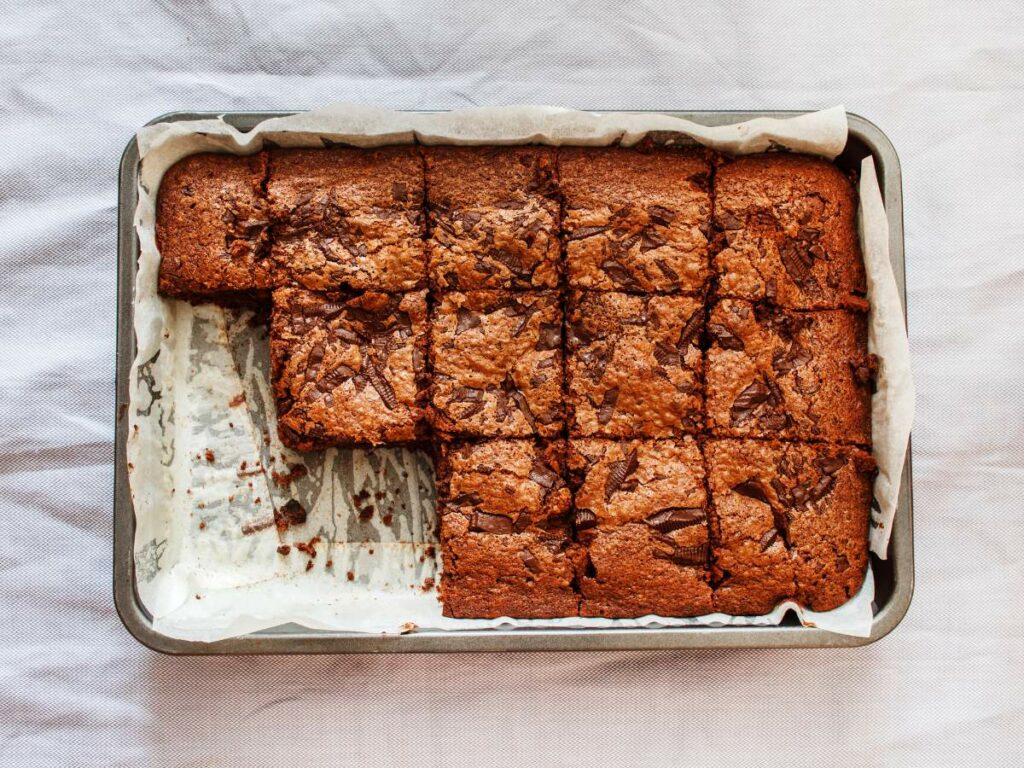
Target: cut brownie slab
[
  {"x": 789, "y": 233},
  {"x": 348, "y": 369},
  {"x": 348, "y": 218},
  {"x": 505, "y": 538},
  {"x": 497, "y": 364},
  {"x": 493, "y": 217},
  {"x": 778, "y": 374},
  {"x": 636, "y": 221},
  {"x": 641, "y": 509},
  {"x": 634, "y": 364},
  {"x": 790, "y": 520},
  {"x": 211, "y": 228}
]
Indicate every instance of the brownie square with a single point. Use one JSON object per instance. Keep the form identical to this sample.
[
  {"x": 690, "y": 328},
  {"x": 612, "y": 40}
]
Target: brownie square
[
  {"x": 789, "y": 233},
  {"x": 636, "y": 221},
  {"x": 348, "y": 369},
  {"x": 505, "y": 536},
  {"x": 211, "y": 228},
  {"x": 348, "y": 218},
  {"x": 634, "y": 364},
  {"x": 797, "y": 375},
  {"x": 493, "y": 214},
  {"x": 497, "y": 364},
  {"x": 641, "y": 509},
  {"x": 790, "y": 521}
]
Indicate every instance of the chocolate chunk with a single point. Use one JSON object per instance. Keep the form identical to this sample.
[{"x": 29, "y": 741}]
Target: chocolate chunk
[
  {"x": 377, "y": 381},
  {"x": 618, "y": 471},
  {"x": 725, "y": 338},
  {"x": 661, "y": 215},
  {"x": 693, "y": 555},
  {"x": 399, "y": 191},
  {"x": 795, "y": 357},
  {"x": 544, "y": 476},
  {"x": 666, "y": 354},
  {"x": 831, "y": 464},
  {"x": 752, "y": 489},
  {"x": 770, "y": 537},
  {"x": 781, "y": 520},
  {"x": 674, "y": 518},
  {"x": 618, "y": 273},
  {"x": 691, "y": 330},
  {"x": 728, "y": 221},
  {"x": 550, "y": 337},
  {"x": 485, "y": 522},
  {"x": 650, "y": 240},
  {"x": 585, "y": 519},
  {"x": 666, "y": 270},
  {"x": 750, "y": 398},
  {"x": 607, "y": 407},
  {"x": 530, "y": 561},
  {"x": 465, "y": 319},
  {"x": 822, "y": 488},
  {"x": 771, "y": 290},
  {"x": 585, "y": 232},
  {"x": 578, "y": 335}
]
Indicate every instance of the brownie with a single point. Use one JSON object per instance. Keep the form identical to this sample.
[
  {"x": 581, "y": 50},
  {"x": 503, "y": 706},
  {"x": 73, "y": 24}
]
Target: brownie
[
  {"x": 493, "y": 214},
  {"x": 797, "y": 375},
  {"x": 211, "y": 228},
  {"x": 348, "y": 369},
  {"x": 348, "y": 218},
  {"x": 641, "y": 509},
  {"x": 505, "y": 486},
  {"x": 636, "y": 221},
  {"x": 506, "y": 541},
  {"x": 633, "y": 364},
  {"x": 497, "y": 364},
  {"x": 790, "y": 520},
  {"x": 789, "y": 233}
]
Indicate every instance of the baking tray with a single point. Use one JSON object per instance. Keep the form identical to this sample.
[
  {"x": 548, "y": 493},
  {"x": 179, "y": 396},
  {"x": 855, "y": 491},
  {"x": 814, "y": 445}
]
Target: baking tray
[{"x": 894, "y": 577}]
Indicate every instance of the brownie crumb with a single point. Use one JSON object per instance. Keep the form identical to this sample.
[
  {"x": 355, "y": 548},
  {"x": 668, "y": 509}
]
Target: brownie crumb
[{"x": 284, "y": 549}]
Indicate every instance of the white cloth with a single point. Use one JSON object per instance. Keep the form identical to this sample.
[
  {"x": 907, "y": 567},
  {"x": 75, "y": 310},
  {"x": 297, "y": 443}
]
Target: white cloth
[{"x": 943, "y": 80}]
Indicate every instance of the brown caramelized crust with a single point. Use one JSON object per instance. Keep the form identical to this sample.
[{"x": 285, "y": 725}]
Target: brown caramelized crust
[
  {"x": 789, "y": 233},
  {"x": 348, "y": 218},
  {"x": 641, "y": 509},
  {"x": 797, "y": 375},
  {"x": 497, "y": 364},
  {"x": 211, "y": 228},
  {"x": 790, "y": 520},
  {"x": 348, "y": 369},
  {"x": 525, "y": 575},
  {"x": 494, "y": 217},
  {"x": 634, "y": 364},
  {"x": 636, "y": 221},
  {"x": 505, "y": 486}
]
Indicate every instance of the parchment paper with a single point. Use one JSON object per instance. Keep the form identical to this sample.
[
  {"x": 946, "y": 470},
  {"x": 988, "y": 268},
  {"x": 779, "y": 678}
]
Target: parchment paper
[{"x": 207, "y": 469}]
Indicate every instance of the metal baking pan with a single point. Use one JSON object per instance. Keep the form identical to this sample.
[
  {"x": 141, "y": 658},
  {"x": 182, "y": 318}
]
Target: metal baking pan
[{"x": 894, "y": 577}]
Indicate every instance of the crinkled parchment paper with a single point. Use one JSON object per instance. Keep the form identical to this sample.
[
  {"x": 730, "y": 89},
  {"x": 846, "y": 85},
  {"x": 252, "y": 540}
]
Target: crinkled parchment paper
[{"x": 207, "y": 469}]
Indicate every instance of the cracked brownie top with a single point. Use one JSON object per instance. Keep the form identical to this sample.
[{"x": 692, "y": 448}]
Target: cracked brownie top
[
  {"x": 634, "y": 364},
  {"x": 348, "y": 218},
  {"x": 348, "y": 369},
  {"x": 493, "y": 217},
  {"x": 211, "y": 227},
  {"x": 497, "y": 364},
  {"x": 636, "y": 221},
  {"x": 788, "y": 233},
  {"x": 772, "y": 373}
]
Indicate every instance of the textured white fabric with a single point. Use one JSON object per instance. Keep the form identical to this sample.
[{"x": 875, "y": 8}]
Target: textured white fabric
[{"x": 942, "y": 79}]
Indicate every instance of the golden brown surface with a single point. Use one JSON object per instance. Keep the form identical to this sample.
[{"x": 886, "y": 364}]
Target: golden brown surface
[
  {"x": 779, "y": 374},
  {"x": 789, "y": 520},
  {"x": 348, "y": 369},
  {"x": 497, "y": 364},
  {"x": 789, "y": 233},
  {"x": 494, "y": 217},
  {"x": 348, "y": 218},
  {"x": 634, "y": 365},
  {"x": 211, "y": 227},
  {"x": 636, "y": 221}
]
